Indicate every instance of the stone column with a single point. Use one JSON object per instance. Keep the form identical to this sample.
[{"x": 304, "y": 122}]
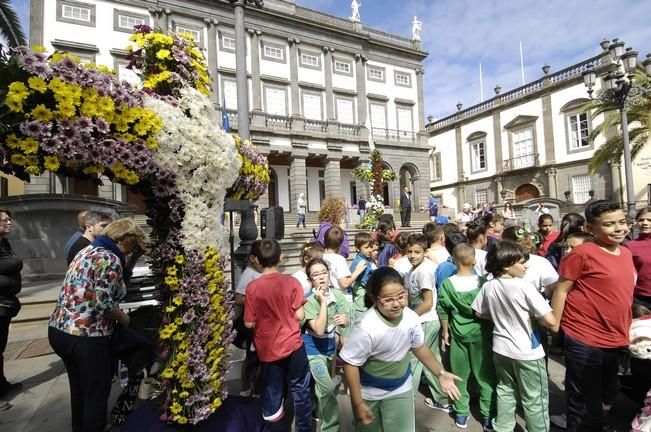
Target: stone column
[
  {"x": 499, "y": 185},
  {"x": 293, "y": 76},
  {"x": 360, "y": 61},
  {"x": 211, "y": 23},
  {"x": 255, "y": 69},
  {"x": 164, "y": 20},
  {"x": 329, "y": 93},
  {"x": 421, "y": 98},
  {"x": 297, "y": 179},
  {"x": 333, "y": 176},
  {"x": 240, "y": 71},
  {"x": 551, "y": 182},
  {"x": 548, "y": 129}
]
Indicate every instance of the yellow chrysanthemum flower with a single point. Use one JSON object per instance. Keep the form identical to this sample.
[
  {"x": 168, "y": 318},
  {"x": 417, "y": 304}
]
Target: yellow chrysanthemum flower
[
  {"x": 39, "y": 49},
  {"x": 51, "y": 163},
  {"x": 29, "y": 145},
  {"x": 41, "y": 113},
  {"x": 164, "y": 54},
  {"x": 18, "y": 159},
  {"x": 38, "y": 84}
]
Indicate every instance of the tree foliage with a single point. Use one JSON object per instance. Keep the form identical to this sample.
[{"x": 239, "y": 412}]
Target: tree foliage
[
  {"x": 10, "y": 27},
  {"x": 639, "y": 125}
]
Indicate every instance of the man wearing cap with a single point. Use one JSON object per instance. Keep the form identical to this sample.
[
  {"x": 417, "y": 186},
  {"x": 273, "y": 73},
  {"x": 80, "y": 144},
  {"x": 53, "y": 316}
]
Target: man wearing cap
[{"x": 466, "y": 215}]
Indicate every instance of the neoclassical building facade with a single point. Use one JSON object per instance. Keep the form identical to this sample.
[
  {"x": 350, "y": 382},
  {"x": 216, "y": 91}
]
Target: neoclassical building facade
[
  {"x": 320, "y": 88},
  {"x": 528, "y": 144}
]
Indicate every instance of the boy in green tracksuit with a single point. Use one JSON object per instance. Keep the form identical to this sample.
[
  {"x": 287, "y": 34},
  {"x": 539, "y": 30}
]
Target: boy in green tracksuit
[
  {"x": 327, "y": 320},
  {"x": 468, "y": 336}
]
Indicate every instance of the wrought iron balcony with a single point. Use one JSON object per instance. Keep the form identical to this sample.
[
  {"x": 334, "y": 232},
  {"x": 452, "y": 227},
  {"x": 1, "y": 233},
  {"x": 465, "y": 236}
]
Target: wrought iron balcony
[{"x": 521, "y": 162}]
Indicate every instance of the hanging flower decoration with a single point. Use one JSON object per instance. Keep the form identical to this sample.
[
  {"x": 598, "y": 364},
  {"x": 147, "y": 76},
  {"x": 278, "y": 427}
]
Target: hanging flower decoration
[
  {"x": 168, "y": 62},
  {"x": 375, "y": 175},
  {"x": 253, "y": 179},
  {"x": 59, "y": 115}
]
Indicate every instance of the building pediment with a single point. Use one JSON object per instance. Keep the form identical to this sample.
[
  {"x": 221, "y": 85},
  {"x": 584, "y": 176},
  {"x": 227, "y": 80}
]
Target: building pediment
[{"x": 521, "y": 120}]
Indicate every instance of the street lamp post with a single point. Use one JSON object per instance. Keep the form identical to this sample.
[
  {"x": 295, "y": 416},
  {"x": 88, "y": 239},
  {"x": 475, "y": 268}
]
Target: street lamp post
[
  {"x": 620, "y": 91},
  {"x": 241, "y": 78}
]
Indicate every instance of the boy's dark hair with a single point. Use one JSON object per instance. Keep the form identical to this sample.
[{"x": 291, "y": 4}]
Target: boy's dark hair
[
  {"x": 435, "y": 235},
  {"x": 417, "y": 239},
  {"x": 453, "y": 238},
  {"x": 543, "y": 217},
  {"x": 429, "y": 227},
  {"x": 504, "y": 254},
  {"x": 582, "y": 235},
  {"x": 571, "y": 223},
  {"x": 401, "y": 242},
  {"x": 474, "y": 230},
  {"x": 6, "y": 211},
  {"x": 267, "y": 252},
  {"x": 377, "y": 280},
  {"x": 362, "y": 238},
  {"x": 595, "y": 209},
  {"x": 333, "y": 238}
]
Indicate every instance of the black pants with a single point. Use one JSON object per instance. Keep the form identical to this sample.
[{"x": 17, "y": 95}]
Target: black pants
[
  {"x": 590, "y": 380},
  {"x": 4, "y": 335},
  {"x": 88, "y": 363},
  {"x": 405, "y": 215}
]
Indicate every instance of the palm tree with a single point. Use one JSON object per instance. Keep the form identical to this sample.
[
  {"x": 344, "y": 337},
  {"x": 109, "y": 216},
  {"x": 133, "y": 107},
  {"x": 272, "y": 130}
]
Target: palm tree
[
  {"x": 639, "y": 125},
  {"x": 10, "y": 28}
]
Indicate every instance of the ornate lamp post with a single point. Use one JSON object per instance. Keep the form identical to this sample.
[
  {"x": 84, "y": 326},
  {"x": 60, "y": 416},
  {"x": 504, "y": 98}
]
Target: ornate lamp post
[{"x": 620, "y": 91}]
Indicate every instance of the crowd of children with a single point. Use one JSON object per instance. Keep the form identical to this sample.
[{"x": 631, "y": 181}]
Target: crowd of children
[{"x": 485, "y": 296}]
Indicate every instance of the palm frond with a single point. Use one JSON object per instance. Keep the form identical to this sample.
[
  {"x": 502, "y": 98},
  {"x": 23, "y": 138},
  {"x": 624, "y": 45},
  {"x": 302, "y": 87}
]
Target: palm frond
[{"x": 10, "y": 27}]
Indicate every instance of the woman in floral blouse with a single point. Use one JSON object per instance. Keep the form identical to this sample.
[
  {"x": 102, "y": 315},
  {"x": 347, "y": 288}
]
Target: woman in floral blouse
[{"x": 81, "y": 325}]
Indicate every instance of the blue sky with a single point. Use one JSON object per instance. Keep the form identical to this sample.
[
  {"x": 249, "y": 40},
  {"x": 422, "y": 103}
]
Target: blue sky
[{"x": 459, "y": 34}]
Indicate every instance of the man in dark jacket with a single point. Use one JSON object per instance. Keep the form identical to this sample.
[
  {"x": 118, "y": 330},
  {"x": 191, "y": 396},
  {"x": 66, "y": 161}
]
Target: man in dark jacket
[
  {"x": 405, "y": 207},
  {"x": 10, "y": 285}
]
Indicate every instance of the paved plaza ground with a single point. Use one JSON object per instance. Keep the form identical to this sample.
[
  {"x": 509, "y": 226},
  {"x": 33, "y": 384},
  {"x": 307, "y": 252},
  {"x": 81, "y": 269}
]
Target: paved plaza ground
[{"x": 44, "y": 403}]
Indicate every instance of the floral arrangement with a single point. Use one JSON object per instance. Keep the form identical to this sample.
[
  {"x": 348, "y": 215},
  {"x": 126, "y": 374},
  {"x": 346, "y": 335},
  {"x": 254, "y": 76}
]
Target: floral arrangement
[
  {"x": 253, "y": 179},
  {"x": 374, "y": 209},
  {"x": 63, "y": 116},
  {"x": 59, "y": 115},
  {"x": 375, "y": 173},
  {"x": 168, "y": 62}
]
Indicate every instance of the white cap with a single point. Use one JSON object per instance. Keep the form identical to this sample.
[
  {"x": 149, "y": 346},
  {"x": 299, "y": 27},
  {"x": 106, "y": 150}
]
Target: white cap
[{"x": 467, "y": 206}]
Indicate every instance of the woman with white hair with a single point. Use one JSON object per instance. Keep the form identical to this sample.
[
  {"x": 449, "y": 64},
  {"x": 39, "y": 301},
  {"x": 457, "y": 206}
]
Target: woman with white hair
[{"x": 82, "y": 323}]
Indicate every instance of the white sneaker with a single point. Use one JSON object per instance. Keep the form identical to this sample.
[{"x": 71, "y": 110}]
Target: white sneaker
[{"x": 560, "y": 421}]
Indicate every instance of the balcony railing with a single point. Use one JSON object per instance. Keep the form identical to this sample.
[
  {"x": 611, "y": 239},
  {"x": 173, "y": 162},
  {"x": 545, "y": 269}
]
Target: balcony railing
[
  {"x": 394, "y": 135},
  {"x": 274, "y": 121},
  {"x": 316, "y": 125},
  {"x": 520, "y": 162},
  {"x": 349, "y": 129}
]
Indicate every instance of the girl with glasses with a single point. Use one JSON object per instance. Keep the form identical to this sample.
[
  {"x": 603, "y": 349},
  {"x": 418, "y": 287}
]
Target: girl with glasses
[
  {"x": 327, "y": 321},
  {"x": 376, "y": 356}
]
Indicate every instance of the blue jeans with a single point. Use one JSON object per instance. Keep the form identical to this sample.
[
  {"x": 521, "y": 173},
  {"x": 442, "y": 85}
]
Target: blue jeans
[
  {"x": 590, "y": 380},
  {"x": 293, "y": 372},
  {"x": 301, "y": 220}
]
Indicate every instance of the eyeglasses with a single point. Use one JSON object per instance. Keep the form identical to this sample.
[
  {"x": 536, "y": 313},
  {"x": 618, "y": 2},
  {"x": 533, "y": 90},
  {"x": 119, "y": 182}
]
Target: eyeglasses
[
  {"x": 319, "y": 274},
  {"x": 400, "y": 298}
]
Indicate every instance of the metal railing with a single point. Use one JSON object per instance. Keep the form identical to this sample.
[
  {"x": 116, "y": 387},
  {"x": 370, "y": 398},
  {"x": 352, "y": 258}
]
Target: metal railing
[
  {"x": 520, "y": 162},
  {"x": 389, "y": 37}
]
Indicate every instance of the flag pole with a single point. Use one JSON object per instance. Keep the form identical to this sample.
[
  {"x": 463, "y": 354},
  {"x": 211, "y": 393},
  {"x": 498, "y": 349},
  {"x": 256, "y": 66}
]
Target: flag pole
[
  {"x": 481, "y": 85},
  {"x": 521, "y": 63}
]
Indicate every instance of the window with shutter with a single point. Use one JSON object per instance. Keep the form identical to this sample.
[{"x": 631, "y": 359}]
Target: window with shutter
[
  {"x": 345, "y": 111},
  {"x": 230, "y": 94},
  {"x": 378, "y": 118},
  {"x": 404, "y": 120},
  {"x": 312, "y": 106},
  {"x": 276, "y": 101}
]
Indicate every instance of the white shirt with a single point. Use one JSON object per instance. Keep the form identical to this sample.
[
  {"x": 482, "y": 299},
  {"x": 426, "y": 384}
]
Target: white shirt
[
  {"x": 248, "y": 275},
  {"x": 512, "y": 305},
  {"x": 418, "y": 279},
  {"x": 300, "y": 206},
  {"x": 402, "y": 265},
  {"x": 540, "y": 273},
  {"x": 372, "y": 336},
  {"x": 480, "y": 262},
  {"x": 465, "y": 217},
  {"x": 301, "y": 276},
  {"x": 338, "y": 268},
  {"x": 441, "y": 254}
]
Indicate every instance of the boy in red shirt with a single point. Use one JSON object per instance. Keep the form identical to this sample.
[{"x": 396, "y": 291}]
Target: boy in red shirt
[
  {"x": 274, "y": 308},
  {"x": 592, "y": 303}
]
